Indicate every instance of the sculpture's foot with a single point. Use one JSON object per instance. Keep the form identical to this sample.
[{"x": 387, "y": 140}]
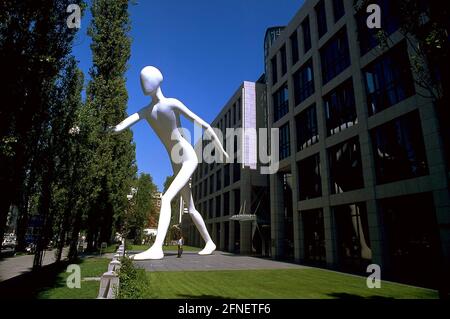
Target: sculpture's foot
[
  {"x": 209, "y": 248},
  {"x": 150, "y": 254}
]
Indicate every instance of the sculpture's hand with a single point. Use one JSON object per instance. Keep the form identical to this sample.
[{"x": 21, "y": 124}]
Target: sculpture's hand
[{"x": 111, "y": 130}]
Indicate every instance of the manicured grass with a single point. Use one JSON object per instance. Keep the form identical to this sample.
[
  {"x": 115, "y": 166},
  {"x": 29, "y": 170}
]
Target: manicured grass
[
  {"x": 90, "y": 267},
  {"x": 165, "y": 248},
  {"x": 273, "y": 284}
]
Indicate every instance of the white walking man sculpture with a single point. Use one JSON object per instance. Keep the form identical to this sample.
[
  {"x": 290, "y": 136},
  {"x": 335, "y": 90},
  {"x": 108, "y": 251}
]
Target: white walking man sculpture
[{"x": 163, "y": 115}]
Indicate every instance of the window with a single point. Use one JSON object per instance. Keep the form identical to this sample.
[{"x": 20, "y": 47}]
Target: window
[
  {"x": 239, "y": 109},
  {"x": 234, "y": 114},
  {"x": 399, "y": 149},
  {"x": 211, "y": 208},
  {"x": 335, "y": 56},
  {"x": 306, "y": 35},
  {"x": 218, "y": 211},
  {"x": 309, "y": 180},
  {"x": 226, "y": 204},
  {"x": 314, "y": 235},
  {"x": 345, "y": 166},
  {"x": 303, "y": 83},
  {"x": 226, "y": 177},
  {"x": 280, "y": 103},
  {"x": 340, "y": 110},
  {"x": 274, "y": 70},
  {"x": 237, "y": 200},
  {"x": 352, "y": 230},
  {"x": 321, "y": 18},
  {"x": 389, "y": 23},
  {"x": 412, "y": 238},
  {"x": 211, "y": 184},
  {"x": 388, "y": 80},
  {"x": 307, "y": 130},
  {"x": 283, "y": 60},
  {"x": 236, "y": 172},
  {"x": 338, "y": 9},
  {"x": 285, "y": 144},
  {"x": 218, "y": 180},
  {"x": 294, "y": 48},
  {"x": 205, "y": 187}
]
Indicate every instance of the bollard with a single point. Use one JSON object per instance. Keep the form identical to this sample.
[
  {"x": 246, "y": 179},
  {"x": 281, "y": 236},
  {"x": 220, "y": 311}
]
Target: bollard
[
  {"x": 114, "y": 265},
  {"x": 109, "y": 285}
]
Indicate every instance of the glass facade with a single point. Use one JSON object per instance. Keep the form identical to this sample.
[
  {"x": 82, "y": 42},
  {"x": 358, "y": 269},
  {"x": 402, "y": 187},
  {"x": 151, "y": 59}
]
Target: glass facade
[
  {"x": 283, "y": 60},
  {"x": 340, "y": 108},
  {"x": 309, "y": 179},
  {"x": 273, "y": 62},
  {"x": 306, "y": 28},
  {"x": 304, "y": 83},
  {"x": 218, "y": 210},
  {"x": 285, "y": 141},
  {"x": 321, "y": 18},
  {"x": 389, "y": 21},
  {"x": 294, "y": 47},
  {"x": 353, "y": 240},
  {"x": 338, "y": 9},
  {"x": 314, "y": 236},
  {"x": 399, "y": 149},
  {"x": 280, "y": 103},
  {"x": 412, "y": 238},
  {"x": 307, "y": 129},
  {"x": 388, "y": 80},
  {"x": 226, "y": 204},
  {"x": 345, "y": 166},
  {"x": 335, "y": 56}
]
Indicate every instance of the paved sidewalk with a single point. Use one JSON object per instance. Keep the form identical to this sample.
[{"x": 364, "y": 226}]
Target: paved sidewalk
[
  {"x": 14, "y": 266},
  {"x": 218, "y": 261}
]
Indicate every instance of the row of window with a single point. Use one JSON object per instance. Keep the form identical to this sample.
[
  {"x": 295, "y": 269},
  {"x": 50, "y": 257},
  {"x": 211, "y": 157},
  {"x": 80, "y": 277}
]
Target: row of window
[
  {"x": 335, "y": 58},
  {"x": 388, "y": 81},
  {"x": 339, "y": 12},
  {"x": 410, "y": 234},
  {"x": 340, "y": 113},
  {"x": 398, "y": 150},
  {"x": 214, "y": 182},
  {"x": 221, "y": 205},
  {"x": 231, "y": 117}
]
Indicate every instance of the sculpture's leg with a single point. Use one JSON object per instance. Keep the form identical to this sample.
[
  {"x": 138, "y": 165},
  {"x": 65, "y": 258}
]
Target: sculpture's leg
[
  {"x": 182, "y": 178},
  {"x": 198, "y": 221}
]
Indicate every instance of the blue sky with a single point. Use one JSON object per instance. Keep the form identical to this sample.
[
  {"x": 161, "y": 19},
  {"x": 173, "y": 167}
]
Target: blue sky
[{"x": 205, "y": 50}]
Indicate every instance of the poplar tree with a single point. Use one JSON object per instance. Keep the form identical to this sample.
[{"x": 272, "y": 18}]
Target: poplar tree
[{"x": 113, "y": 162}]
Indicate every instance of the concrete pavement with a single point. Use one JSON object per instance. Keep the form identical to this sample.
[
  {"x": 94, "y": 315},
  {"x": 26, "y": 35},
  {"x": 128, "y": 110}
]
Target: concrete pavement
[
  {"x": 191, "y": 261},
  {"x": 14, "y": 266}
]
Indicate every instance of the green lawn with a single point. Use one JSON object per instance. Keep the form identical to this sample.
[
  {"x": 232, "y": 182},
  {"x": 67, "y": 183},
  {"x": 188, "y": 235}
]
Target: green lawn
[
  {"x": 273, "y": 284},
  {"x": 90, "y": 267},
  {"x": 166, "y": 248}
]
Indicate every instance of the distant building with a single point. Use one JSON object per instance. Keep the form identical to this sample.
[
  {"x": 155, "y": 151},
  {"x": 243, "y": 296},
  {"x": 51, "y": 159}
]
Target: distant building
[{"x": 225, "y": 193}]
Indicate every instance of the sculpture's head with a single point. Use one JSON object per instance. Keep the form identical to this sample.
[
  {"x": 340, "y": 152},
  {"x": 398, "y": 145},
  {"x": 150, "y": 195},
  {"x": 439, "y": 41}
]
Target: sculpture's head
[{"x": 151, "y": 79}]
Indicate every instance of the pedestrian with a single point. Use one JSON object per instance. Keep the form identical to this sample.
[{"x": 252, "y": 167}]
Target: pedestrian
[{"x": 180, "y": 246}]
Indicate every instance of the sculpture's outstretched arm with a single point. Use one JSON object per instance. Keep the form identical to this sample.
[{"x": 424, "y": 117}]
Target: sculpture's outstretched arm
[
  {"x": 129, "y": 121},
  {"x": 196, "y": 119}
]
